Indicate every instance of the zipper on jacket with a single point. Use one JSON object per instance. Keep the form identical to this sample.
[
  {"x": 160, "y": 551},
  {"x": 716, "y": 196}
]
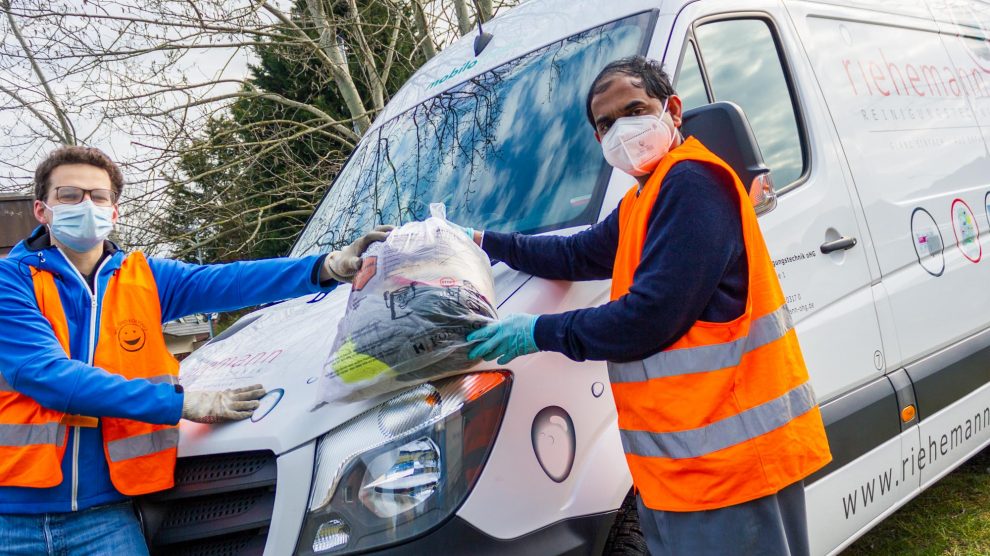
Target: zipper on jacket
[
  {"x": 75, "y": 468},
  {"x": 93, "y": 306}
]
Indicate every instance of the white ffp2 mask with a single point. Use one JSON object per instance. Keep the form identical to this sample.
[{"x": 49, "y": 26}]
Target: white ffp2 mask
[{"x": 635, "y": 144}]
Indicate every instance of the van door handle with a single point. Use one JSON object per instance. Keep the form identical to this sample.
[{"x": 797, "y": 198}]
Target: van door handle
[{"x": 840, "y": 244}]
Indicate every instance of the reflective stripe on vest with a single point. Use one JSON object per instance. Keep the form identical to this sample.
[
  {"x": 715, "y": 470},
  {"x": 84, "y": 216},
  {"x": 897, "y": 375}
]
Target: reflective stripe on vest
[
  {"x": 142, "y": 445},
  {"x": 725, "y": 414},
  {"x": 27, "y": 435},
  {"x": 730, "y": 431},
  {"x": 763, "y": 331}
]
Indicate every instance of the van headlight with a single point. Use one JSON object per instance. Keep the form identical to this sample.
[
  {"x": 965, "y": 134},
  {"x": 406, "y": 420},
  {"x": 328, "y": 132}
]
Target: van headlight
[{"x": 403, "y": 467}]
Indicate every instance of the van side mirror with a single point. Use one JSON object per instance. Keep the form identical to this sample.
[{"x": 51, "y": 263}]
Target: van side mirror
[{"x": 723, "y": 128}]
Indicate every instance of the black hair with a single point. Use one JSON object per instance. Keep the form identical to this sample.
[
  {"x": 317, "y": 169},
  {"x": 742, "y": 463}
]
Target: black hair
[{"x": 650, "y": 73}]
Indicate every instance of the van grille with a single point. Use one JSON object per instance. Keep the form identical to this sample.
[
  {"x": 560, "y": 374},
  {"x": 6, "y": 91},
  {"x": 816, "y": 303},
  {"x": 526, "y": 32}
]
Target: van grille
[{"x": 221, "y": 505}]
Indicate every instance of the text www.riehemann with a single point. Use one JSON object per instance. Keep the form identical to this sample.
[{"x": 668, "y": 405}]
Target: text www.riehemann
[{"x": 937, "y": 446}]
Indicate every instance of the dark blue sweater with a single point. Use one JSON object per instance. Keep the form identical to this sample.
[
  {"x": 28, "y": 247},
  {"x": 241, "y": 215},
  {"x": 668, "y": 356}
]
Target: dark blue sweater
[{"x": 693, "y": 268}]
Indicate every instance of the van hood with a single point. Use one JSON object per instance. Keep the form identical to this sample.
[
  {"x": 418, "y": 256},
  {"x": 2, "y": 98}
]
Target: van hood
[{"x": 282, "y": 347}]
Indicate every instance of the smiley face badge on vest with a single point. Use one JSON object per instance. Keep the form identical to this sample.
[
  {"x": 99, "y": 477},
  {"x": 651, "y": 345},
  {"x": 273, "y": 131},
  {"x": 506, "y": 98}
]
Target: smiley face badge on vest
[{"x": 131, "y": 335}]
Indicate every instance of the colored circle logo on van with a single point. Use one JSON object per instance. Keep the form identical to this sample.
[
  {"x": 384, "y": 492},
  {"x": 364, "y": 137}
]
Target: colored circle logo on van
[
  {"x": 967, "y": 231},
  {"x": 928, "y": 244},
  {"x": 131, "y": 335}
]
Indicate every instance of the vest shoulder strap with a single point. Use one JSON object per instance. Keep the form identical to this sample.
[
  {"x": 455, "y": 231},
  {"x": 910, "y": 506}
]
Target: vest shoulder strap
[{"x": 50, "y": 305}]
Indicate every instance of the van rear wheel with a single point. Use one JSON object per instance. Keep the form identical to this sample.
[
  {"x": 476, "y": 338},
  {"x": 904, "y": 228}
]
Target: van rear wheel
[{"x": 626, "y": 538}]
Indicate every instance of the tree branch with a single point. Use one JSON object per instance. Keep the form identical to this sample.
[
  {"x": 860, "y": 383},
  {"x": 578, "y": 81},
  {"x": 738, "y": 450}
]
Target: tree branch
[
  {"x": 56, "y": 132},
  {"x": 68, "y": 134}
]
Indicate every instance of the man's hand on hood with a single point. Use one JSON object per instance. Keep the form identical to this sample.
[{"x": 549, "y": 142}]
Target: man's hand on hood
[{"x": 217, "y": 407}]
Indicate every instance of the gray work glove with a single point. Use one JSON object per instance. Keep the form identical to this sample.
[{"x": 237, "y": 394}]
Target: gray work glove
[
  {"x": 343, "y": 265},
  {"x": 227, "y": 405}
]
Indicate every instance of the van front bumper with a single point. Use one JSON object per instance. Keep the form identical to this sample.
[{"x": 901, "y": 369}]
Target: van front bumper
[
  {"x": 580, "y": 535},
  {"x": 271, "y": 524}
]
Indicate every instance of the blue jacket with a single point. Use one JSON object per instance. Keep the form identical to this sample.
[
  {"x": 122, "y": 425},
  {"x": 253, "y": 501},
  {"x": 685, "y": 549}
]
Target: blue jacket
[{"x": 33, "y": 363}]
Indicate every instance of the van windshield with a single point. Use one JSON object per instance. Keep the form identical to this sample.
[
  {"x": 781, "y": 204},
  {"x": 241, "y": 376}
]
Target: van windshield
[{"x": 509, "y": 150}]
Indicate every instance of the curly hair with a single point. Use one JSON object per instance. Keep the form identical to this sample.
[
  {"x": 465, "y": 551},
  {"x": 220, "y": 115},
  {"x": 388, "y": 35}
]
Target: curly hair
[
  {"x": 75, "y": 155},
  {"x": 650, "y": 73}
]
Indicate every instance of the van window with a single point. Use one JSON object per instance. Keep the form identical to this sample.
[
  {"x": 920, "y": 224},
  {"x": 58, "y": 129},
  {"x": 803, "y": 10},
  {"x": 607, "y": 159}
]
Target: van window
[
  {"x": 689, "y": 84},
  {"x": 742, "y": 63},
  {"x": 508, "y": 150}
]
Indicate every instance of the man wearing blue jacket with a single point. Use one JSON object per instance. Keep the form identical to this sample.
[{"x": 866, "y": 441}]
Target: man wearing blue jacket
[{"x": 89, "y": 397}]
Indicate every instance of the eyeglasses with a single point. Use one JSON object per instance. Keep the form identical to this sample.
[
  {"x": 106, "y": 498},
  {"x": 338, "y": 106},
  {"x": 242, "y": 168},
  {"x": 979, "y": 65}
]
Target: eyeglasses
[{"x": 72, "y": 195}]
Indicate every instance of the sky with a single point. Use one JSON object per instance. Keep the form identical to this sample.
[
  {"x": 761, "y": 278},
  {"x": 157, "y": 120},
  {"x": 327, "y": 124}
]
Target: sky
[{"x": 18, "y": 157}]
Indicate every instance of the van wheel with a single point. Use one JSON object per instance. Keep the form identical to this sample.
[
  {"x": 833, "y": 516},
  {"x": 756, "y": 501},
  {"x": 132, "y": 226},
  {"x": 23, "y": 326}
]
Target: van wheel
[{"x": 626, "y": 538}]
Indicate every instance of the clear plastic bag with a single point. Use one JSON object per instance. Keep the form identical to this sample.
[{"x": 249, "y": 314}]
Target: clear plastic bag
[{"x": 418, "y": 295}]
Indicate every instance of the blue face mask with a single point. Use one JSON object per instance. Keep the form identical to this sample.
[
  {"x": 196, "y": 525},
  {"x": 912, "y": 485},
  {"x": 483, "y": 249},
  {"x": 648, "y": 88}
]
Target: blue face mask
[{"x": 81, "y": 227}]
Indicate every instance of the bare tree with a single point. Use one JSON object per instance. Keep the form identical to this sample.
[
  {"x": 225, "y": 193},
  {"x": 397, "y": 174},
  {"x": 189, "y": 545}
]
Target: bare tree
[{"x": 146, "y": 79}]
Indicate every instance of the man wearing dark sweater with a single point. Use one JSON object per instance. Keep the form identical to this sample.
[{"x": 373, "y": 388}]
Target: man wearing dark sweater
[
  {"x": 698, "y": 418},
  {"x": 693, "y": 267},
  {"x": 693, "y": 264}
]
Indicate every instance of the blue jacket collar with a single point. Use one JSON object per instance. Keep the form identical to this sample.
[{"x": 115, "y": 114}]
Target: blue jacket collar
[{"x": 38, "y": 251}]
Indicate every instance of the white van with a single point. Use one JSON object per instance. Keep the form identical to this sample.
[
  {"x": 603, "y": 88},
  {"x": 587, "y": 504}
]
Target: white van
[{"x": 874, "y": 118}]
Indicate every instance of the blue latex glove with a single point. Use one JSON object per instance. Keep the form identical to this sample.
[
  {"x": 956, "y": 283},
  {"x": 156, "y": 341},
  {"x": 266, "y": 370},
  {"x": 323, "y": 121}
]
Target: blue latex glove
[
  {"x": 469, "y": 232},
  {"x": 506, "y": 339}
]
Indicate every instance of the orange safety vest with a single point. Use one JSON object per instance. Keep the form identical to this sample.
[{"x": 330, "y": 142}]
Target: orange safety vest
[
  {"x": 726, "y": 414},
  {"x": 141, "y": 456}
]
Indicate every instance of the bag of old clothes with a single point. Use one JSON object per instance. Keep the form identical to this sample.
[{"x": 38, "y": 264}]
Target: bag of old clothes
[{"x": 417, "y": 296}]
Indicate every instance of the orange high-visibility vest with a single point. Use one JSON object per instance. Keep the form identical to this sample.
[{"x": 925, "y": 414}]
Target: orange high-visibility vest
[
  {"x": 726, "y": 414},
  {"x": 141, "y": 456}
]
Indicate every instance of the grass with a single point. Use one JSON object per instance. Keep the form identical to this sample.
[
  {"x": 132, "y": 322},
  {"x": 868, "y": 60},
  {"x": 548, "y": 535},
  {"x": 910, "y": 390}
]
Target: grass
[{"x": 950, "y": 518}]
